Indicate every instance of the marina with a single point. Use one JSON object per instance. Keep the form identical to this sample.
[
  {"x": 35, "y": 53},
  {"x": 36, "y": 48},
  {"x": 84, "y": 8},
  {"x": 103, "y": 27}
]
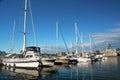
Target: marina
[
  {"x": 59, "y": 40},
  {"x": 101, "y": 70}
]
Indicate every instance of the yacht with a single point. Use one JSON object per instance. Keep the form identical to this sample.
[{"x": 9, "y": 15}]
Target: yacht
[{"x": 29, "y": 57}]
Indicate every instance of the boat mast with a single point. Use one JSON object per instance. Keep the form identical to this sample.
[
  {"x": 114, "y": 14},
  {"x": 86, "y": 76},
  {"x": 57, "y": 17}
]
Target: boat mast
[
  {"x": 56, "y": 37},
  {"x": 82, "y": 43},
  {"x": 90, "y": 43},
  {"x": 24, "y": 38},
  {"x": 76, "y": 31}
]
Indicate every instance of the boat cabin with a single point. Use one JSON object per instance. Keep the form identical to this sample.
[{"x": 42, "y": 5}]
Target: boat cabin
[{"x": 33, "y": 49}]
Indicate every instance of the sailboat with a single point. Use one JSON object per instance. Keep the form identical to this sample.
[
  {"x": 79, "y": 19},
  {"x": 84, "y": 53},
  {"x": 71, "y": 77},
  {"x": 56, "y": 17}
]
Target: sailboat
[
  {"x": 73, "y": 57},
  {"x": 29, "y": 57},
  {"x": 84, "y": 57},
  {"x": 62, "y": 57}
]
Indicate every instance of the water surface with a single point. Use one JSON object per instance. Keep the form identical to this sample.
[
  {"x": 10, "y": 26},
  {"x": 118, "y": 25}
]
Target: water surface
[{"x": 101, "y": 70}]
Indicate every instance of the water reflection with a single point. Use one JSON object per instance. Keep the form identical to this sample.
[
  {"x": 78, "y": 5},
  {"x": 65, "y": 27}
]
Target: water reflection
[
  {"x": 1, "y": 68},
  {"x": 42, "y": 73}
]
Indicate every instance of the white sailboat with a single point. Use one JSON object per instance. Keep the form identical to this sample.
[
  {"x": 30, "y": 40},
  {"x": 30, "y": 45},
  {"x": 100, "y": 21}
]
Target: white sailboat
[
  {"x": 85, "y": 56},
  {"x": 73, "y": 57},
  {"x": 47, "y": 60},
  {"x": 60, "y": 58},
  {"x": 29, "y": 57}
]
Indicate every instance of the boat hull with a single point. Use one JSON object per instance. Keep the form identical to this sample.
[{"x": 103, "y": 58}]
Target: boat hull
[
  {"x": 62, "y": 60},
  {"x": 82, "y": 59},
  {"x": 22, "y": 63},
  {"x": 47, "y": 62}
]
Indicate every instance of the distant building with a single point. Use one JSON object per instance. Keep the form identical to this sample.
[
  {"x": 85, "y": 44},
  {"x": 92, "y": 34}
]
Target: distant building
[{"x": 109, "y": 51}]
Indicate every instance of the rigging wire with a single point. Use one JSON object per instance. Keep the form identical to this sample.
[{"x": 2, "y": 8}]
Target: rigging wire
[
  {"x": 33, "y": 25},
  {"x": 64, "y": 40}
]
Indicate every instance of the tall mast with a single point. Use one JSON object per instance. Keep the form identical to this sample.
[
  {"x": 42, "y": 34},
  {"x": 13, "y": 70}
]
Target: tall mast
[
  {"x": 56, "y": 37},
  {"x": 76, "y": 31},
  {"x": 82, "y": 43},
  {"x": 24, "y": 43},
  {"x": 90, "y": 43}
]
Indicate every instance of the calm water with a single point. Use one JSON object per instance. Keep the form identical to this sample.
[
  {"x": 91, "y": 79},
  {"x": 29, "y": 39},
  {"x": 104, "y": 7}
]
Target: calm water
[{"x": 104, "y": 70}]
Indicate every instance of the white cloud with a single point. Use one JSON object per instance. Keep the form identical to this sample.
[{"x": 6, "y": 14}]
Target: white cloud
[
  {"x": 112, "y": 37},
  {"x": 117, "y": 24},
  {"x": 116, "y": 30},
  {"x": 99, "y": 40}
]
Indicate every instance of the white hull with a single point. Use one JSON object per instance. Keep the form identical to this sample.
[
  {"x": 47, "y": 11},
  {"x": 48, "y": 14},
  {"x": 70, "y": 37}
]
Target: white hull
[
  {"x": 101, "y": 57},
  {"x": 24, "y": 65},
  {"x": 73, "y": 60},
  {"x": 23, "y": 62},
  {"x": 47, "y": 62},
  {"x": 83, "y": 59}
]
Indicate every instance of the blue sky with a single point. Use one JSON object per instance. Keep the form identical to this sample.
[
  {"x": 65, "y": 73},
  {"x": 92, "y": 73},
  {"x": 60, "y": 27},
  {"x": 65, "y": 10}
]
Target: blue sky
[{"x": 100, "y": 18}]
